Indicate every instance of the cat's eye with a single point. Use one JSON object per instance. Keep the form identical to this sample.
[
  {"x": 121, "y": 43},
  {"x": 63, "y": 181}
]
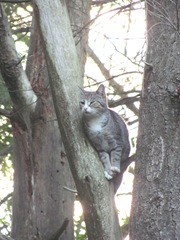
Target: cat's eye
[
  {"x": 92, "y": 102},
  {"x": 82, "y": 102}
]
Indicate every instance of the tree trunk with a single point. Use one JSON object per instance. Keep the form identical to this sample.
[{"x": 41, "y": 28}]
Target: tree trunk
[
  {"x": 40, "y": 163},
  {"x": 156, "y": 195},
  {"x": 42, "y": 208},
  {"x": 95, "y": 194}
]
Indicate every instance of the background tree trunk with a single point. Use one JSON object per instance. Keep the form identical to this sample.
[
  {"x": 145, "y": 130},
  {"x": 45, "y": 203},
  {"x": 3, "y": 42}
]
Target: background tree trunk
[
  {"x": 40, "y": 163},
  {"x": 95, "y": 194},
  {"x": 41, "y": 168},
  {"x": 156, "y": 195}
]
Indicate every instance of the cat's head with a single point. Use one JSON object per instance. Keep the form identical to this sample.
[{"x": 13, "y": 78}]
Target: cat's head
[{"x": 93, "y": 103}]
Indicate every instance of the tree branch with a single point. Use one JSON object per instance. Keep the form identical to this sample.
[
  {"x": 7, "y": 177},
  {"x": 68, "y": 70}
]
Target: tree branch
[
  {"x": 21, "y": 30},
  {"x": 60, "y": 230},
  {"x": 2, "y": 237},
  {"x": 118, "y": 9},
  {"x": 6, "y": 198},
  {"x": 11, "y": 69},
  {"x": 100, "y": 2},
  {"x": 5, "y": 150},
  {"x": 113, "y": 83},
  {"x": 102, "y": 68},
  {"x": 14, "y": 1},
  {"x": 70, "y": 190},
  {"x": 5, "y": 113},
  {"x": 124, "y": 101}
]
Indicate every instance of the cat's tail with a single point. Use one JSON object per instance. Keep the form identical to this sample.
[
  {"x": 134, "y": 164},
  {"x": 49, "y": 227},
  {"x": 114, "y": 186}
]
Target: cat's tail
[{"x": 124, "y": 165}]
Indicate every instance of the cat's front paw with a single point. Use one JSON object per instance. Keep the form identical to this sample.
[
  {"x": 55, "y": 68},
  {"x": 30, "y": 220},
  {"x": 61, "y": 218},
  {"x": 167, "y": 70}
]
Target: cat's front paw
[
  {"x": 107, "y": 175},
  {"x": 115, "y": 170}
]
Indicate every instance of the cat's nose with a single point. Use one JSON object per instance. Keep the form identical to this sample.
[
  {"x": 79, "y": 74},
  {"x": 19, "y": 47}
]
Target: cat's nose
[{"x": 86, "y": 109}]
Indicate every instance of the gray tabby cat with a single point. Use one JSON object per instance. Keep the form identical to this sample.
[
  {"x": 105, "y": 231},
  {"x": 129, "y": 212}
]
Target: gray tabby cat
[{"x": 106, "y": 131}]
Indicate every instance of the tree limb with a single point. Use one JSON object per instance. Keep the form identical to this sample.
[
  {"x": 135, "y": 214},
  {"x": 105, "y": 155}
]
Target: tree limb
[
  {"x": 100, "y": 2},
  {"x": 21, "y": 30},
  {"x": 5, "y": 113},
  {"x": 2, "y": 237},
  {"x": 14, "y": 1},
  {"x": 60, "y": 230},
  {"x": 125, "y": 100},
  {"x": 118, "y": 9},
  {"x": 113, "y": 83},
  {"x": 11, "y": 69},
  {"x": 6, "y": 150},
  {"x": 6, "y": 198}
]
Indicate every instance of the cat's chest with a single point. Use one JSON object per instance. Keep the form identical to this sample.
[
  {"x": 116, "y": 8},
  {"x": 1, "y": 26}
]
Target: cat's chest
[{"x": 97, "y": 125}]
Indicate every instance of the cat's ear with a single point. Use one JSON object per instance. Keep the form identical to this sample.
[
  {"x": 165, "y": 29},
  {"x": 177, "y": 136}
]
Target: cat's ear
[
  {"x": 101, "y": 90},
  {"x": 81, "y": 90}
]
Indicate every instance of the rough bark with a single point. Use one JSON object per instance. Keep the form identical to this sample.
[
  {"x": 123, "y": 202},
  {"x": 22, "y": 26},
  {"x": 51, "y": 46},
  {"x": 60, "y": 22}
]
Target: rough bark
[
  {"x": 95, "y": 193},
  {"x": 41, "y": 206},
  {"x": 155, "y": 207}
]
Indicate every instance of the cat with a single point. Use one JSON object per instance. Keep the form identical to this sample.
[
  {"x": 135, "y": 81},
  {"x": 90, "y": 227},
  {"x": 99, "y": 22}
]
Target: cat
[{"x": 106, "y": 131}]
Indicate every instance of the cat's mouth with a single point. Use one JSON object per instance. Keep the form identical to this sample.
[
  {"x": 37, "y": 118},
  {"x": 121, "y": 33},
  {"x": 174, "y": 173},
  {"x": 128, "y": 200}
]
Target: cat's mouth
[{"x": 86, "y": 112}]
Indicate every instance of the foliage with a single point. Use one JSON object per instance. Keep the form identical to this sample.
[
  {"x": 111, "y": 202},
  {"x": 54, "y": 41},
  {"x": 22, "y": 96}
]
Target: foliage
[
  {"x": 80, "y": 228},
  {"x": 6, "y": 214},
  {"x": 124, "y": 227}
]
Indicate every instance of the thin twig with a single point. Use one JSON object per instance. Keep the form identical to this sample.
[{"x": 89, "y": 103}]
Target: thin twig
[
  {"x": 100, "y": 2},
  {"x": 70, "y": 190},
  {"x": 5, "y": 113},
  {"x": 6, "y": 198},
  {"x": 22, "y": 58},
  {"x": 124, "y": 194},
  {"x": 118, "y": 9}
]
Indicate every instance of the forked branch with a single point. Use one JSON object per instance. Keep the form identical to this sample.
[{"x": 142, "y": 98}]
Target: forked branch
[{"x": 11, "y": 69}]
